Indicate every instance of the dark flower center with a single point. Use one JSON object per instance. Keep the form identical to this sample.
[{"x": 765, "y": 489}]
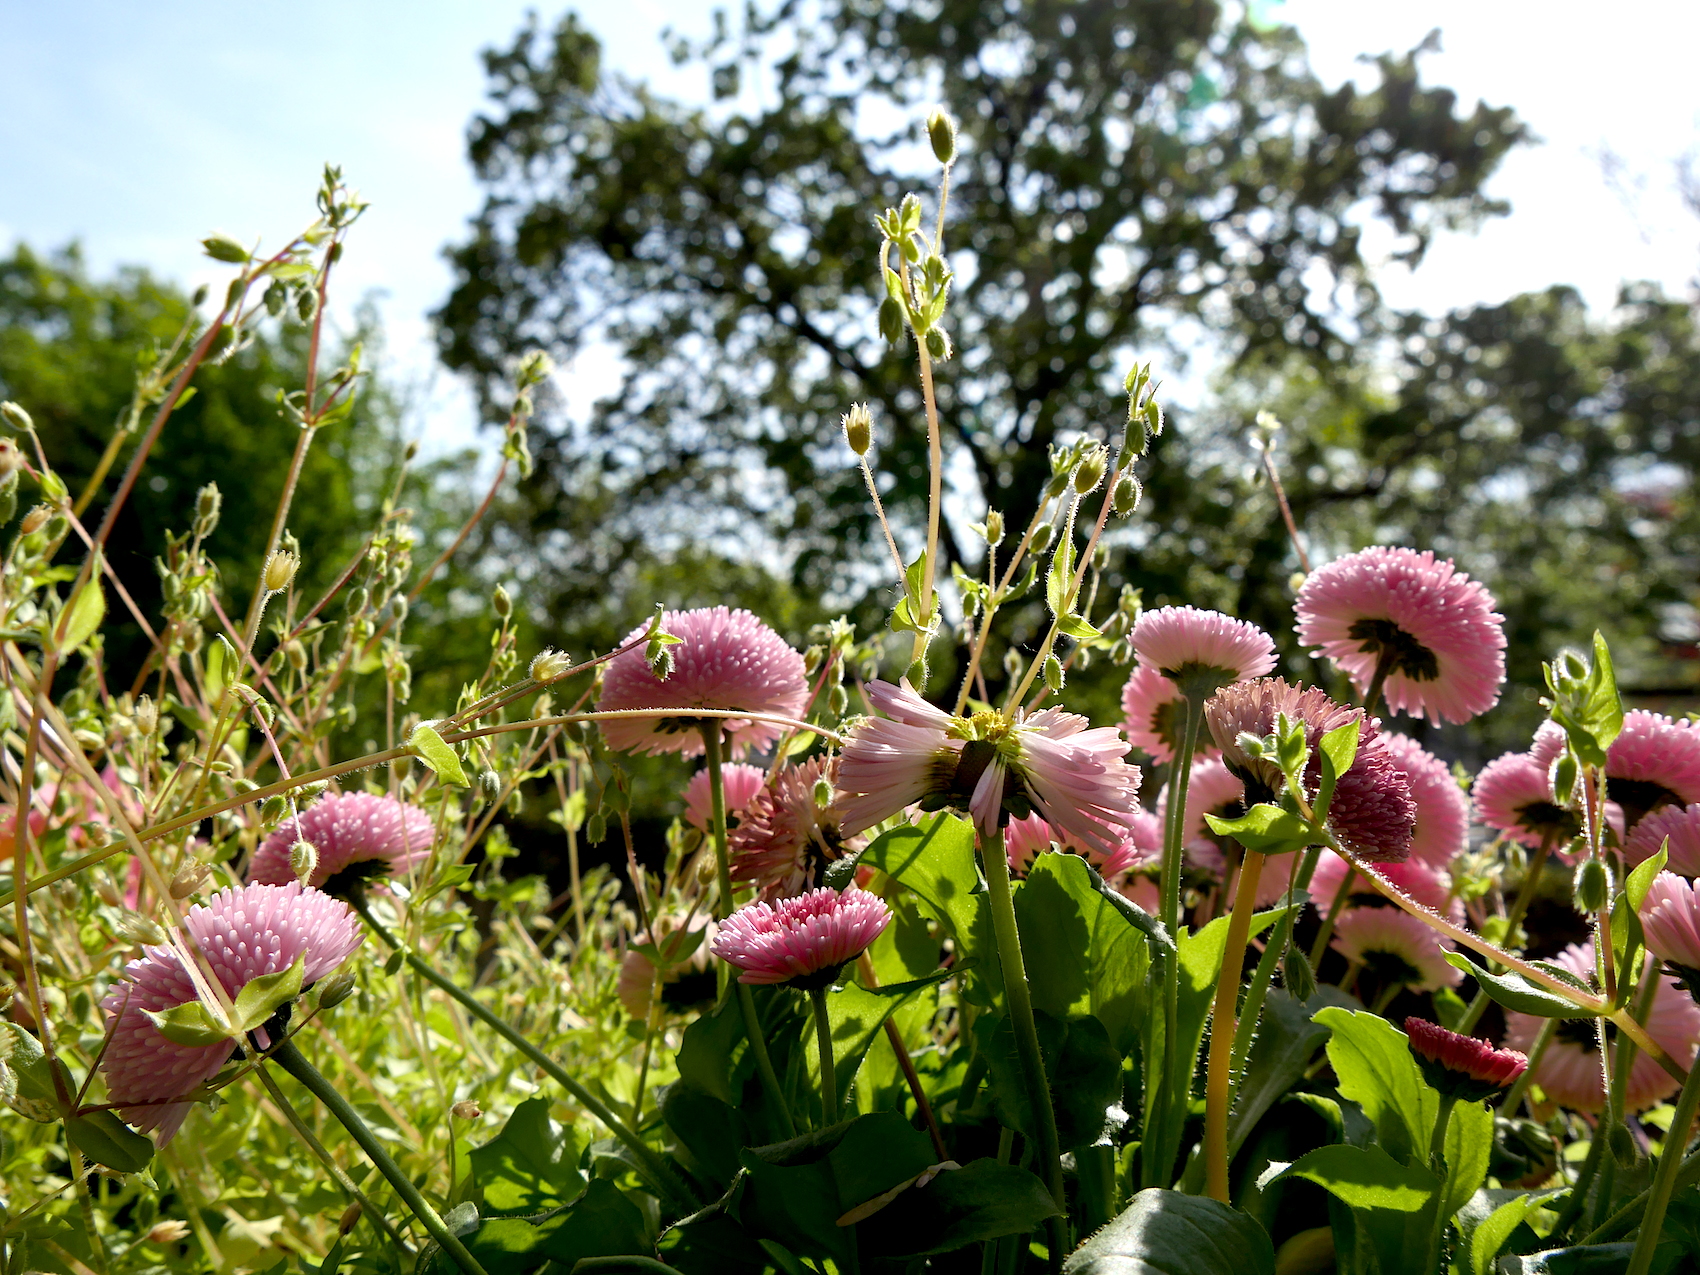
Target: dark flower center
[
  {"x": 354, "y": 877},
  {"x": 1390, "y": 967},
  {"x": 1409, "y": 656},
  {"x": 1639, "y": 798},
  {"x": 1544, "y": 816},
  {"x": 1584, "y": 1032}
]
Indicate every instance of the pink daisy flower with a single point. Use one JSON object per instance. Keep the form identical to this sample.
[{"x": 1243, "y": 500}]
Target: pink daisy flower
[
  {"x": 786, "y": 837},
  {"x": 889, "y": 763},
  {"x": 1372, "y": 813},
  {"x": 1141, "y": 890},
  {"x": 803, "y": 942},
  {"x": 1682, "y": 830},
  {"x": 741, "y": 781},
  {"x": 1671, "y": 916},
  {"x": 1443, "y": 811},
  {"x": 243, "y": 934},
  {"x": 1569, "y": 1071},
  {"x": 1549, "y": 742},
  {"x": 1427, "y": 884},
  {"x": 1437, "y": 625},
  {"x": 1155, "y": 710},
  {"x": 689, "y": 983},
  {"x": 1396, "y": 947},
  {"x": 1180, "y": 642},
  {"x": 359, "y": 836},
  {"x": 1462, "y": 1066},
  {"x": 1025, "y": 839},
  {"x": 1654, "y": 762},
  {"x": 1513, "y": 794},
  {"x": 724, "y": 660}
]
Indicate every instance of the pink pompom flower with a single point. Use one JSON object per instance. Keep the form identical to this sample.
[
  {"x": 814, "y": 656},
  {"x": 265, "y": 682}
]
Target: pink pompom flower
[
  {"x": 1396, "y": 947},
  {"x": 1186, "y": 644},
  {"x": 1549, "y": 742},
  {"x": 740, "y": 780},
  {"x": 1155, "y": 714},
  {"x": 1513, "y": 794},
  {"x": 242, "y": 934},
  {"x": 1569, "y": 1070},
  {"x": 359, "y": 836},
  {"x": 726, "y": 660},
  {"x": 1670, "y": 914},
  {"x": 1654, "y": 762},
  {"x": 1460, "y": 1066},
  {"x": 1443, "y": 811},
  {"x": 1437, "y": 626},
  {"x": 802, "y": 942},
  {"x": 1674, "y": 828},
  {"x": 787, "y": 838}
]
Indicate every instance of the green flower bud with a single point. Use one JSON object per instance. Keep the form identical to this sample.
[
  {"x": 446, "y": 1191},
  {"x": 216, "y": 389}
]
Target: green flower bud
[
  {"x": 941, "y": 132},
  {"x": 133, "y": 927},
  {"x": 859, "y": 427},
  {"x": 891, "y": 320},
  {"x": 994, "y": 527},
  {"x": 1135, "y": 438},
  {"x": 1126, "y": 497},
  {"x": 1013, "y": 664},
  {"x": 1593, "y": 886},
  {"x": 1153, "y": 416},
  {"x": 1622, "y": 1144},
  {"x": 223, "y": 248},
  {"x": 501, "y": 603},
  {"x": 938, "y": 345},
  {"x": 16, "y": 418},
  {"x": 823, "y": 793},
  {"x": 1090, "y": 472},
  {"x": 1042, "y": 537},
  {"x": 303, "y": 859},
  {"x": 1564, "y": 772},
  {"x": 1053, "y": 673},
  {"x": 838, "y": 701},
  {"x": 337, "y": 988}
]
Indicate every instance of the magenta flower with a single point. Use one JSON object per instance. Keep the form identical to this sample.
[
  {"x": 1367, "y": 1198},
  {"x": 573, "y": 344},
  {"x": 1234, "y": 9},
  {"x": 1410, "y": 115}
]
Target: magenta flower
[
  {"x": 1372, "y": 814},
  {"x": 243, "y": 934},
  {"x": 786, "y": 837},
  {"x": 803, "y": 942},
  {"x": 1462, "y": 1066},
  {"x": 1655, "y": 762},
  {"x": 1513, "y": 794},
  {"x": 1396, "y": 947},
  {"x": 741, "y": 781},
  {"x": 1671, "y": 916},
  {"x": 1443, "y": 811},
  {"x": 1419, "y": 880},
  {"x": 358, "y": 835},
  {"x": 1155, "y": 712},
  {"x": 725, "y": 660},
  {"x": 1439, "y": 628},
  {"x": 1569, "y": 1071},
  {"x": 1184, "y": 642},
  {"x": 1672, "y": 824}
]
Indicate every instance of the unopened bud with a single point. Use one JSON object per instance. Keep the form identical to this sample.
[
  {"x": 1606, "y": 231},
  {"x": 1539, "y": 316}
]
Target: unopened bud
[
  {"x": 501, "y": 603},
  {"x": 823, "y": 793},
  {"x": 1053, "y": 673},
  {"x": 939, "y": 348},
  {"x": 296, "y": 654},
  {"x": 596, "y": 829},
  {"x": 859, "y": 428},
  {"x": 136, "y": 928},
  {"x": 1126, "y": 497},
  {"x": 891, "y": 320},
  {"x": 550, "y": 665},
  {"x": 1564, "y": 777},
  {"x": 941, "y": 132},
  {"x": 208, "y": 501},
  {"x": 1135, "y": 438},
  {"x": 994, "y": 527},
  {"x": 336, "y": 989},
  {"x": 168, "y": 1232},
  {"x": 1013, "y": 664},
  {"x": 837, "y": 701},
  {"x": 1090, "y": 472},
  {"x": 147, "y": 715},
  {"x": 34, "y": 519},
  {"x": 224, "y": 248},
  {"x": 306, "y": 304},
  {"x": 280, "y": 570},
  {"x": 1153, "y": 416},
  {"x": 200, "y": 297},
  {"x": 350, "y": 1219},
  {"x": 303, "y": 859},
  {"x": 1622, "y": 1144},
  {"x": 535, "y": 367},
  {"x": 1042, "y": 537},
  {"x": 491, "y": 783},
  {"x": 1593, "y": 886},
  {"x": 466, "y": 1109},
  {"x": 11, "y": 458},
  {"x": 108, "y": 893},
  {"x": 16, "y": 417},
  {"x": 189, "y": 878},
  {"x": 812, "y": 656}
]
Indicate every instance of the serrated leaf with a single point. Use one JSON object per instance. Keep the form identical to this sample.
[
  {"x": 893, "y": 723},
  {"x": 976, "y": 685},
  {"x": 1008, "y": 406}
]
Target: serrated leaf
[
  {"x": 1513, "y": 991},
  {"x": 260, "y": 999},
  {"x": 430, "y": 748}
]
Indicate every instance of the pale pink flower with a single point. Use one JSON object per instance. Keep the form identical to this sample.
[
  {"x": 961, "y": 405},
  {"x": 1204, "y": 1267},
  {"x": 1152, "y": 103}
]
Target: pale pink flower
[
  {"x": 1548, "y": 743},
  {"x": 1671, "y": 916},
  {"x": 1654, "y": 762},
  {"x": 1569, "y": 1071},
  {"x": 889, "y": 763},
  {"x": 358, "y": 834},
  {"x": 1680, "y": 826},
  {"x": 741, "y": 782},
  {"x": 1176, "y": 640},
  {"x": 803, "y": 941},
  {"x": 786, "y": 837},
  {"x": 690, "y": 982},
  {"x": 1429, "y": 885},
  {"x": 1396, "y": 947},
  {"x": 1443, "y": 811},
  {"x": 1211, "y": 789},
  {"x": 1078, "y": 778},
  {"x": 725, "y": 660},
  {"x": 1513, "y": 794},
  {"x": 243, "y": 934},
  {"x": 1447, "y": 641},
  {"x": 1155, "y": 713},
  {"x": 1025, "y": 839}
]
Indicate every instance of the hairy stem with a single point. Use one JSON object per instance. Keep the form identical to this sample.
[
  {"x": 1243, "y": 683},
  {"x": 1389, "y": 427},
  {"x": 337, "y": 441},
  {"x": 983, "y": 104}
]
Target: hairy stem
[
  {"x": 823, "y": 1042},
  {"x": 1218, "y": 1071},
  {"x": 1437, "y": 1162}
]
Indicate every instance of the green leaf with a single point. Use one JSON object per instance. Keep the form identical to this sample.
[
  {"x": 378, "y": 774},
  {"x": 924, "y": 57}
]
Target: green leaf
[
  {"x": 1641, "y": 879},
  {"x": 1265, "y": 828},
  {"x": 1593, "y": 1259},
  {"x": 1082, "y": 1068},
  {"x": 600, "y": 1223},
  {"x": 1373, "y": 1066},
  {"x": 1167, "y": 1233},
  {"x": 1287, "y": 1036},
  {"x": 705, "y": 1053},
  {"x": 189, "y": 1024},
  {"x": 259, "y": 1000},
  {"x": 81, "y": 617},
  {"x": 1513, "y": 991},
  {"x": 1059, "y": 580},
  {"x": 857, "y": 1014},
  {"x": 1486, "y": 1239},
  {"x": 981, "y": 1201},
  {"x": 1366, "y": 1178},
  {"x": 1591, "y": 712},
  {"x": 710, "y": 1132},
  {"x": 935, "y": 859},
  {"x": 105, "y": 1139},
  {"x": 36, "y": 1097},
  {"x": 1339, "y": 748},
  {"x": 1076, "y": 627},
  {"x": 531, "y": 1165},
  {"x": 429, "y": 747}
]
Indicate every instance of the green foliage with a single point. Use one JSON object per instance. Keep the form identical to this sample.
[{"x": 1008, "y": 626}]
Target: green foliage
[{"x": 1167, "y": 1233}]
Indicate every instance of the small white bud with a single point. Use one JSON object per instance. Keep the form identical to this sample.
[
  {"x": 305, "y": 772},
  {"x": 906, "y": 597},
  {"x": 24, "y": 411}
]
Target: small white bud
[
  {"x": 303, "y": 859},
  {"x": 136, "y": 928},
  {"x": 280, "y": 570},
  {"x": 549, "y": 665}
]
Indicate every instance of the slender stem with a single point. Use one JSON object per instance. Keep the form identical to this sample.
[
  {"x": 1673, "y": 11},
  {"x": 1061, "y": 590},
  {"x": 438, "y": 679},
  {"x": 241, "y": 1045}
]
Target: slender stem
[
  {"x": 291, "y": 1059},
  {"x": 1437, "y": 1162},
  {"x": 935, "y": 507},
  {"x": 1544, "y": 1038},
  {"x": 1525, "y": 895},
  {"x": 1032, "y": 1060},
  {"x": 1319, "y": 948},
  {"x": 1579, "y": 1189},
  {"x": 1265, "y": 972},
  {"x": 870, "y": 979},
  {"x": 823, "y": 1041},
  {"x": 1384, "y": 663},
  {"x": 1174, "y": 829},
  {"x": 658, "y": 1170},
  {"x": 1286, "y": 509},
  {"x": 1218, "y": 1071},
  {"x": 1684, "y": 1175}
]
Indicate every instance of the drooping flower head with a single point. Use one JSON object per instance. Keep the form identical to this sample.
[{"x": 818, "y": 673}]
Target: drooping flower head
[
  {"x": 1396, "y": 947},
  {"x": 1654, "y": 762},
  {"x": 1670, "y": 914},
  {"x": 1443, "y": 812},
  {"x": 1186, "y": 645},
  {"x": 741, "y": 782},
  {"x": 1155, "y": 713},
  {"x": 1548, "y": 743},
  {"x": 724, "y": 659},
  {"x": 1372, "y": 813},
  {"x": 1438, "y": 628},
  {"x": 1569, "y": 1070},
  {"x": 787, "y": 837},
  {"x": 1674, "y": 828},
  {"x": 803, "y": 942},
  {"x": 1514, "y": 795},
  {"x": 243, "y": 934},
  {"x": 1050, "y": 762},
  {"x": 684, "y": 985},
  {"x": 1459, "y": 1066},
  {"x": 359, "y": 836}
]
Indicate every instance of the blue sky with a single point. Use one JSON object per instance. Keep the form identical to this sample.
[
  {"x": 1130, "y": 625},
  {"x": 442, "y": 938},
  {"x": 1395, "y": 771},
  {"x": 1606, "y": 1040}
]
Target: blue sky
[{"x": 139, "y": 128}]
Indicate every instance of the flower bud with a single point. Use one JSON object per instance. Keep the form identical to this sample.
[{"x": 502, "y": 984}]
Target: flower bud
[
  {"x": 501, "y": 603},
  {"x": 273, "y": 809},
  {"x": 280, "y": 570},
  {"x": 306, "y": 304},
  {"x": 1013, "y": 664},
  {"x": 1042, "y": 537},
  {"x": 466, "y": 1109},
  {"x": 1090, "y": 472},
  {"x": 147, "y": 715},
  {"x": 491, "y": 783},
  {"x": 823, "y": 793},
  {"x": 1126, "y": 496},
  {"x": 1153, "y": 416},
  {"x": 891, "y": 320},
  {"x": 33, "y": 520},
  {"x": 168, "y": 1232},
  {"x": 941, "y": 132},
  {"x": 859, "y": 428},
  {"x": 336, "y": 988},
  {"x": 208, "y": 502},
  {"x": 1135, "y": 438},
  {"x": 838, "y": 701},
  {"x": 596, "y": 830},
  {"x": 16, "y": 418},
  {"x": 549, "y": 666},
  {"x": 108, "y": 893},
  {"x": 1622, "y": 1144},
  {"x": 1053, "y": 673},
  {"x": 189, "y": 878},
  {"x": 224, "y": 248},
  {"x": 1564, "y": 777},
  {"x": 994, "y": 527},
  {"x": 350, "y": 1218},
  {"x": 939, "y": 348},
  {"x": 303, "y": 859},
  {"x": 136, "y": 928},
  {"x": 11, "y": 459},
  {"x": 296, "y": 654},
  {"x": 1593, "y": 887}
]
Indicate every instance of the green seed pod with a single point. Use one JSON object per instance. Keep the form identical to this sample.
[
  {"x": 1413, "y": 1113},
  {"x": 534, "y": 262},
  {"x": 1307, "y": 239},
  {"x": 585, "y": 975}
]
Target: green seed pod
[
  {"x": 838, "y": 701},
  {"x": 501, "y": 603},
  {"x": 941, "y": 132},
  {"x": 938, "y": 345},
  {"x": 1593, "y": 887},
  {"x": 891, "y": 320},
  {"x": 1053, "y": 673},
  {"x": 1564, "y": 772},
  {"x": 1090, "y": 472},
  {"x": 224, "y": 248},
  {"x": 1126, "y": 497},
  {"x": 1042, "y": 537}
]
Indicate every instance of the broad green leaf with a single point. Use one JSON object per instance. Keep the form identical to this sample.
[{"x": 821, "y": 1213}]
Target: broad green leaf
[
  {"x": 1339, "y": 749},
  {"x": 705, "y": 1053},
  {"x": 710, "y": 1132},
  {"x": 1373, "y": 1066},
  {"x": 1489, "y": 1237},
  {"x": 105, "y": 1139},
  {"x": 259, "y": 1000},
  {"x": 1168, "y": 1233},
  {"x": 1077, "y": 628},
  {"x": 935, "y": 859},
  {"x": 429, "y": 747},
  {"x": 35, "y": 1096},
  {"x": 1514, "y": 991},
  {"x": 600, "y": 1223},
  {"x": 958, "y": 1207},
  {"x": 82, "y": 616},
  {"x": 857, "y": 1014},
  {"x": 1265, "y": 828},
  {"x": 1287, "y": 1036},
  {"x": 1366, "y": 1178},
  {"x": 531, "y": 1165},
  {"x": 1059, "y": 581},
  {"x": 1082, "y": 1070},
  {"x": 188, "y": 1024},
  {"x": 1641, "y": 879}
]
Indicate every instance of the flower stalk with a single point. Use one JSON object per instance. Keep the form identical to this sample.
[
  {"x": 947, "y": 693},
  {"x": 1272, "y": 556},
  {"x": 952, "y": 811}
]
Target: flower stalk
[
  {"x": 1219, "y": 1072},
  {"x": 823, "y": 1041},
  {"x": 1437, "y": 1162}
]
